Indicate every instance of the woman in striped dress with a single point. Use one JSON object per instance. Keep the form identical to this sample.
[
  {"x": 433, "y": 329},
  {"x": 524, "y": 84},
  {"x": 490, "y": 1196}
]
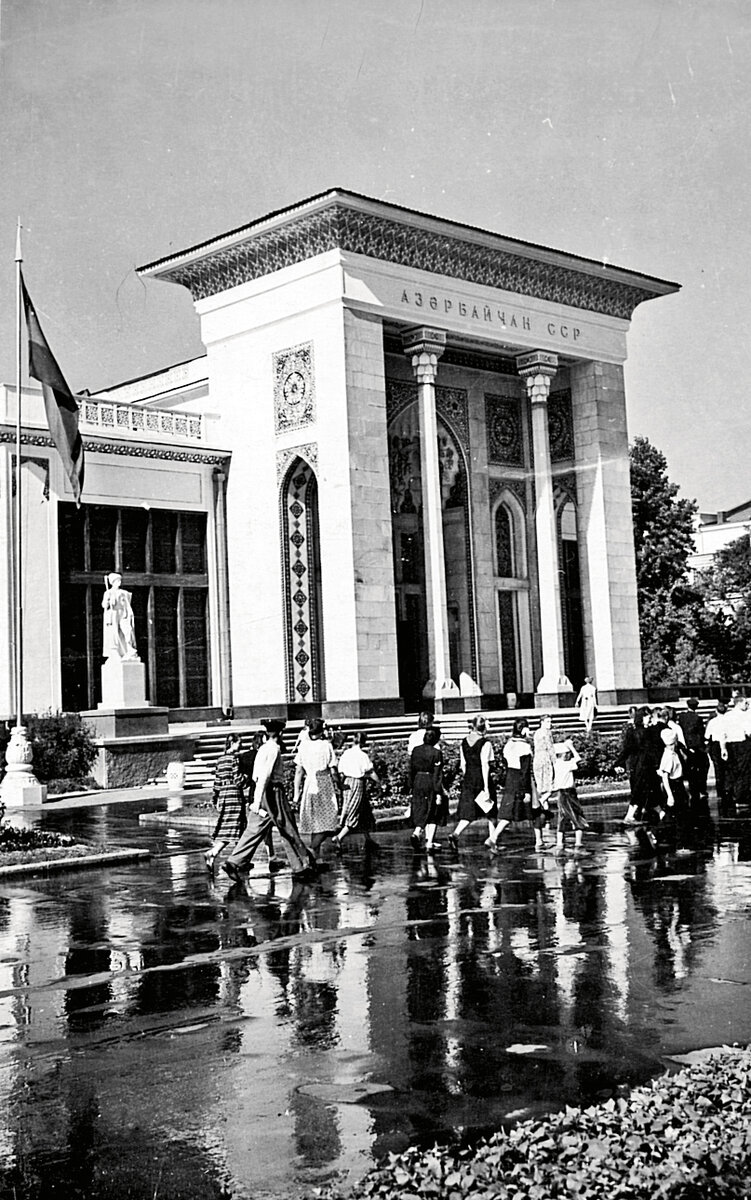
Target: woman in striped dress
[
  {"x": 228, "y": 798},
  {"x": 356, "y": 769}
]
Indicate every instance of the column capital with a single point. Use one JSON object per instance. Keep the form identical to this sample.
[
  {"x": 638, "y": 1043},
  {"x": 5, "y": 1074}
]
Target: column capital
[
  {"x": 537, "y": 362},
  {"x": 424, "y": 347},
  {"x": 537, "y": 369}
]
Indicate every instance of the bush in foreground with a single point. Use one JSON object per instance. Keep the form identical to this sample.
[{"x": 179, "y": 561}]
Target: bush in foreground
[
  {"x": 685, "y": 1136},
  {"x": 62, "y": 745}
]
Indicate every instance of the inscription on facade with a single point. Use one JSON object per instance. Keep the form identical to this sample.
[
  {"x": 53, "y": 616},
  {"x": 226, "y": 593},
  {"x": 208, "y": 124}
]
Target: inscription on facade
[{"x": 493, "y": 315}]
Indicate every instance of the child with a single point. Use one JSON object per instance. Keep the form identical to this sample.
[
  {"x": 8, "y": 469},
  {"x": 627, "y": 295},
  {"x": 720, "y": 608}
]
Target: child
[{"x": 570, "y": 812}]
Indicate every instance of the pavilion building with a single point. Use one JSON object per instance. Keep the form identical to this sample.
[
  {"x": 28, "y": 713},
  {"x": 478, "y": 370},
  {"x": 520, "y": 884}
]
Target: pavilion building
[{"x": 399, "y": 476}]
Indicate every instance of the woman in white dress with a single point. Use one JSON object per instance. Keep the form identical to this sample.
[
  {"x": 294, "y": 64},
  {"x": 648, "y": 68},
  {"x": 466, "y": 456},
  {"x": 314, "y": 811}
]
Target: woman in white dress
[
  {"x": 586, "y": 702},
  {"x": 317, "y": 786}
]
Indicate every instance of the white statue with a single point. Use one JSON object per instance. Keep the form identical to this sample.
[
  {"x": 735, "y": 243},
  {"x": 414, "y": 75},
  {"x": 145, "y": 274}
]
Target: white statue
[{"x": 119, "y": 631}]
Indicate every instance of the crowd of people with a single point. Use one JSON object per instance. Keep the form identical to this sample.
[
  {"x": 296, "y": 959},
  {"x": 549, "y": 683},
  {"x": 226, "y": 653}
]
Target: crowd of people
[{"x": 667, "y": 756}]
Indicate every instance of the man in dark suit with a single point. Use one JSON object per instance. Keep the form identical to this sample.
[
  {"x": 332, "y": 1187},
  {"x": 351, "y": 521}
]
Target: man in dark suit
[{"x": 697, "y": 764}]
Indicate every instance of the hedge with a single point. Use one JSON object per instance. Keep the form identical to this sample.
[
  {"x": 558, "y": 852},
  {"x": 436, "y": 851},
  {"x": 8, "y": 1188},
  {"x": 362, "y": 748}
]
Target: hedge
[
  {"x": 62, "y": 745},
  {"x": 685, "y": 1136}
]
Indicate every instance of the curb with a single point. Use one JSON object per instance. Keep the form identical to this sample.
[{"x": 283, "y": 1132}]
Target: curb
[{"x": 106, "y": 859}]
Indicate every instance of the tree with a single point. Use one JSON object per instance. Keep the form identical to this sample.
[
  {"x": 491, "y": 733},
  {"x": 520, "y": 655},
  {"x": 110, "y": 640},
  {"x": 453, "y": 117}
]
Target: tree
[
  {"x": 680, "y": 635},
  {"x": 663, "y": 524},
  {"x": 726, "y": 589}
]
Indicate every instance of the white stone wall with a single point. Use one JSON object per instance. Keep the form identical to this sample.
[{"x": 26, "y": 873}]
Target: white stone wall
[
  {"x": 371, "y": 509},
  {"x": 611, "y": 624}
]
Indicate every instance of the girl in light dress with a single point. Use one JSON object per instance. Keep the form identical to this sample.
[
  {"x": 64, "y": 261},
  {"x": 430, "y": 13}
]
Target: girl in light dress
[
  {"x": 586, "y": 702},
  {"x": 516, "y": 803},
  {"x": 317, "y": 786}
]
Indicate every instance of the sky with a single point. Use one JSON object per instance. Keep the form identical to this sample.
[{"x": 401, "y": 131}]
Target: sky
[{"x": 613, "y": 129}]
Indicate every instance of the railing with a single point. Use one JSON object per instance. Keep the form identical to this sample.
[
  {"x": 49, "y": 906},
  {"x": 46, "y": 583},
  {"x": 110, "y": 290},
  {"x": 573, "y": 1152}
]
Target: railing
[{"x": 108, "y": 417}]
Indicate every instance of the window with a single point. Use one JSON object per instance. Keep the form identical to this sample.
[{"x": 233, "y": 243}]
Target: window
[
  {"x": 504, "y": 542},
  {"x": 162, "y": 557}
]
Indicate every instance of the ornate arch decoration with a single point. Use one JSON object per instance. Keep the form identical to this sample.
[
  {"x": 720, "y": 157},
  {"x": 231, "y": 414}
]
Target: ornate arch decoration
[
  {"x": 301, "y": 576},
  {"x": 451, "y": 411},
  {"x": 504, "y": 500}
]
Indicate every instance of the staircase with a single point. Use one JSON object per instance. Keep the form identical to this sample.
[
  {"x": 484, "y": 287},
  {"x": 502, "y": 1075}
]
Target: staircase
[{"x": 199, "y": 773}]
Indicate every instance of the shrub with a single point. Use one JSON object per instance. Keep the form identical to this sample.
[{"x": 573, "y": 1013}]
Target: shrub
[
  {"x": 62, "y": 746},
  {"x": 599, "y": 752}
]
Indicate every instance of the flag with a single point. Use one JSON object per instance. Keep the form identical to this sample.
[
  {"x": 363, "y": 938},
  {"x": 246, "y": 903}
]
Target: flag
[{"x": 60, "y": 404}]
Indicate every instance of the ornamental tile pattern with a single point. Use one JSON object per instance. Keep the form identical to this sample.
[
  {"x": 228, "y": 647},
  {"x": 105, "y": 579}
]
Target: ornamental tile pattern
[
  {"x": 125, "y": 449},
  {"x": 294, "y": 388},
  {"x": 516, "y": 486},
  {"x": 560, "y": 426},
  {"x": 308, "y": 453},
  {"x": 450, "y": 403},
  {"x": 338, "y": 226},
  {"x": 503, "y": 425},
  {"x": 564, "y": 488},
  {"x": 299, "y": 532}
]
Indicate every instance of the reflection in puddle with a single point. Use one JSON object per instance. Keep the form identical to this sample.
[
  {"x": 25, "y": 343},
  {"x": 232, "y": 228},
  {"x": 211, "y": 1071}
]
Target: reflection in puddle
[{"x": 243, "y": 1041}]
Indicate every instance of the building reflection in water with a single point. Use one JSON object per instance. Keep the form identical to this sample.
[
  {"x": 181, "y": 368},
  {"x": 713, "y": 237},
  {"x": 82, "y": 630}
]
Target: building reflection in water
[{"x": 233, "y": 1028}]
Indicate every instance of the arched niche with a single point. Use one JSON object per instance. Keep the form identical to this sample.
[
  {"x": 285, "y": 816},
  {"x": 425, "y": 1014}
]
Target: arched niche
[{"x": 302, "y": 584}]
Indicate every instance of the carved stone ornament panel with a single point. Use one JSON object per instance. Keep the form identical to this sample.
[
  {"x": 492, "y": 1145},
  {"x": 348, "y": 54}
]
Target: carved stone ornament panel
[
  {"x": 503, "y": 423},
  {"x": 564, "y": 488},
  {"x": 294, "y": 388},
  {"x": 560, "y": 426},
  {"x": 308, "y": 453},
  {"x": 517, "y": 487},
  {"x": 450, "y": 403},
  {"x": 337, "y": 226}
]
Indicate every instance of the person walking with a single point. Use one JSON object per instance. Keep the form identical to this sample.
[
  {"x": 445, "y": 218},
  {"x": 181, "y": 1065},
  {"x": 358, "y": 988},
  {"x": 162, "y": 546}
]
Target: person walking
[
  {"x": 477, "y": 800},
  {"x": 586, "y": 702},
  {"x": 228, "y": 799},
  {"x": 428, "y": 808},
  {"x": 317, "y": 786},
  {"x": 670, "y": 768},
  {"x": 417, "y": 737},
  {"x": 715, "y": 738},
  {"x": 516, "y": 803},
  {"x": 697, "y": 763},
  {"x": 356, "y": 771},
  {"x": 271, "y": 808},
  {"x": 543, "y": 762},
  {"x": 640, "y": 757},
  {"x": 247, "y": 762},
  {"x": 570, "y": 811}
]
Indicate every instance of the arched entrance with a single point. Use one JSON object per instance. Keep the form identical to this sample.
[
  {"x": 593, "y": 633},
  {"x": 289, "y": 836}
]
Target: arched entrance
[
  {"x": 409, "y": 553},
  {"x": 302, "y": 585}
]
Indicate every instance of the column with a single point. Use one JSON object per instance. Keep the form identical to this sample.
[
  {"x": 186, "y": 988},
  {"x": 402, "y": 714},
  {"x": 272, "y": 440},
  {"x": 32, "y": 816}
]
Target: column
[
  {"x": 537, "y": 369},
  {"x": 424, "y": 347},
  {"x": 222, "y": 591}
]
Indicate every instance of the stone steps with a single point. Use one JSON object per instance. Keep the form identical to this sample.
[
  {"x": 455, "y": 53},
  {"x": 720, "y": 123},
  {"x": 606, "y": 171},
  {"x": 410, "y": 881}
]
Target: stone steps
[{"x": 199, "y": 772}]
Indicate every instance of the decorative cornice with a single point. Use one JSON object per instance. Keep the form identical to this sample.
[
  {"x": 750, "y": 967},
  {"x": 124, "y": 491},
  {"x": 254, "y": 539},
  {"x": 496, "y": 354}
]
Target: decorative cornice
[
  {"x": 336, "y": 222},
  {"x": 125, "y": 449}
]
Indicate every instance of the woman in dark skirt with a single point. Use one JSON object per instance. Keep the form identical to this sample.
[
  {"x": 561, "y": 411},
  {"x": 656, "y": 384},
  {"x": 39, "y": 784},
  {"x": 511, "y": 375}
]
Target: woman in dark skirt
[
  {"x": 428, "y": 807},
  {"x": 228, "y": 798},
  {"x": 516, "y": 802},
  {"x": 640, "y": 756},
  {"x": 477, "y": 801}
]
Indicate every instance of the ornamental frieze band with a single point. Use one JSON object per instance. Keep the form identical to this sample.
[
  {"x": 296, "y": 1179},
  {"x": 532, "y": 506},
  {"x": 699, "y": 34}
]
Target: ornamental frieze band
[{"x": 340, "y": 227}]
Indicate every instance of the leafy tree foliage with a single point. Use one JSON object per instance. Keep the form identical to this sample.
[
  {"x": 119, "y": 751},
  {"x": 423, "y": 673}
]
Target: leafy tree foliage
[
  {"x": 663, "y": 523},
  {"x": 683, "y": 639},
  {"x": 726, "y": 590}
]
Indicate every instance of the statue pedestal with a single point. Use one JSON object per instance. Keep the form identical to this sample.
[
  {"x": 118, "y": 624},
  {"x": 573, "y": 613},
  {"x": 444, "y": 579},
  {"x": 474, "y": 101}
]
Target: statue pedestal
[
  {"x": 124, "y": 710},
  {"x": 123, "y": 683}
]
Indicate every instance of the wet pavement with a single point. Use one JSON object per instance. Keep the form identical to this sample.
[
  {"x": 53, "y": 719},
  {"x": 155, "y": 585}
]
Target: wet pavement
[{"x": 164, "y": 1035}]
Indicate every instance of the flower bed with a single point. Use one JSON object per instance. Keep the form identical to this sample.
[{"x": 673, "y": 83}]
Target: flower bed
[
  {"x": 36, "y": 845},
  {"x": 684, "y": 1136}
]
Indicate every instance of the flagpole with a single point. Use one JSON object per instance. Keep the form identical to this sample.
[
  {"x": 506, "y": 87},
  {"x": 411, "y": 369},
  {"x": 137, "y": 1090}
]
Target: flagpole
[
  {"x": 19, "y": 508},
  {"x": 19, "y": 786}
]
